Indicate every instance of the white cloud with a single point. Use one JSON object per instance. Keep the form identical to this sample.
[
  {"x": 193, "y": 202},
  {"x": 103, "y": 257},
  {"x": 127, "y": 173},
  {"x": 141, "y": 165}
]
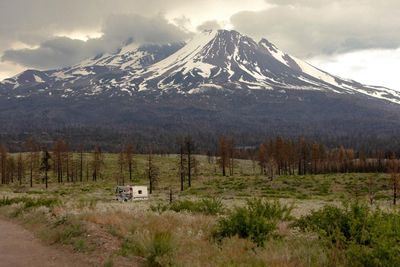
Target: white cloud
[
  {"x": 209, "y": 25},
  {"x": 313, "y": 27},
  {"x": 9, "y": 69},
  {"x": 304, "y": 28},
  {"x": 117, "y": 30},
  {"x": 374, "y": 67}
]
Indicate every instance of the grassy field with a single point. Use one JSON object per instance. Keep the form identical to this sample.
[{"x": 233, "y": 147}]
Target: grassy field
[{"x": 84, "y": 217}]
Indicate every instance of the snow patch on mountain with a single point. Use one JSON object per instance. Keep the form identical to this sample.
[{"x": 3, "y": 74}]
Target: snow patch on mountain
[
  {"x": 187, "y": 56},
  {"x": 211, "y": 60}
]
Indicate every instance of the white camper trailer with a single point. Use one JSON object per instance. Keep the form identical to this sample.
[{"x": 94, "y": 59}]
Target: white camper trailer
[
  {"x": 129, "y": 193},
  {"x": 139, "y": 192}
]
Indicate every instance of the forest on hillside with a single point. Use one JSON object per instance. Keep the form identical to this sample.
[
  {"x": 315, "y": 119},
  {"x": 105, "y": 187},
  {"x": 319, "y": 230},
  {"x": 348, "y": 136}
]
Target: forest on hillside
[{"x": 60, "y": 163}]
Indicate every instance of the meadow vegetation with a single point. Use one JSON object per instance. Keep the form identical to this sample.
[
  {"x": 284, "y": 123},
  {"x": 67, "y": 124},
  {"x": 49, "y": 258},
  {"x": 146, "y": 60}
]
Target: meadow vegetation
[{"x": 243, "y": 219}]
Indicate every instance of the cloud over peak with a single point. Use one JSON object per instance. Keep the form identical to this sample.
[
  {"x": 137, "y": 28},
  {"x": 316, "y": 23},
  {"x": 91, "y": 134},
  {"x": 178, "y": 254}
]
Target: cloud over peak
[
  {"x": 117, "y": 30},
  {"x": 311, "y": 27}
]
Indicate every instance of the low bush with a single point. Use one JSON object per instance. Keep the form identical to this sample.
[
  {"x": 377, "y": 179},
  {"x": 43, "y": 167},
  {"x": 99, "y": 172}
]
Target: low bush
[
  {"x": 66, "y": 230},
  {"x": 159, "y": 208},
  {"x": 29, "y": 202},
  {"x": 210, "y": 206},
  {"x": 256, "y": 221},
  {"x": 40, "y": 202},
  {"x": 157, "y": 249},
  {"x": 5, "y": 201},
  {"x": 368, "y": 238}
]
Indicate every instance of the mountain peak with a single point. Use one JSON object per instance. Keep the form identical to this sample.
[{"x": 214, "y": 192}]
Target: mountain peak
[{"x": 217, "y": 59}]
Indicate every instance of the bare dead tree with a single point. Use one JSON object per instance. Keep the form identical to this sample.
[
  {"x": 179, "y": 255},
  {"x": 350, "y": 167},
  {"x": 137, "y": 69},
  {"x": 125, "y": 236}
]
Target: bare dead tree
[
  {"x": 371, "y": 185},
  {"x": 231, "y": 155},
  {"x": 3, "y": 163},
  {"x": 262, "y": 159},
  {"x": 45, "y": 166},
  {"x": 20, "y": 168},
  {"x": 223, "y": 154},
  {"x": 182, "y": 167},
  {"x": 189, "y": 150},
  {"x": 121, "y": 164},
  {"x": 97, "y": 163},
  {"x": 394, "y": 177},
  {"x": 129, "y": 160},
  {"x": 32, "y": 149},
  {"x": 152, "y": 172},
  {"x": 11, "y": 169},
  {"x": 81, "y": 163}
]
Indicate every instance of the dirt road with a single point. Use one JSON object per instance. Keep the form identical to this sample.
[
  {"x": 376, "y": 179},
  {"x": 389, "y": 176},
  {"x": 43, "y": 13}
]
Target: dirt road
[{"x": 20, "y": 248}]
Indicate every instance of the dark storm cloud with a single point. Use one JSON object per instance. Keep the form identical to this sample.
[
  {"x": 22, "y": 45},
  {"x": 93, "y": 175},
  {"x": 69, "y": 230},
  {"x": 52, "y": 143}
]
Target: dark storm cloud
[
  {"x": 117, "y": 30},
  {"x": 57, "y": 52},
  {"x": 36, "y": 23},
  {"x": 302, "y": 27},
  {"x": 312, "y": 27},
  {"x": 33, "y": 21}
]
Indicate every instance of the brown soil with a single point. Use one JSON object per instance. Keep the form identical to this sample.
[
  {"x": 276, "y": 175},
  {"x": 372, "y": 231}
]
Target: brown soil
[{"x": 19, "y": 247}]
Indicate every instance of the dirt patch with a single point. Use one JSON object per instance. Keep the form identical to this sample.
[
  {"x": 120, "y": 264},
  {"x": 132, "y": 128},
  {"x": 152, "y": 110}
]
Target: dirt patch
[{"x": 19, "y": 247}]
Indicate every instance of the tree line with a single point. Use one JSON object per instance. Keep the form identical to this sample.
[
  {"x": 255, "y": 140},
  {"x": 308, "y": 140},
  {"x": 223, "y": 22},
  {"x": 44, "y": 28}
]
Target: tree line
[
  {"x": 273, "y": 157},
  {"x": 281, "y": 156}
]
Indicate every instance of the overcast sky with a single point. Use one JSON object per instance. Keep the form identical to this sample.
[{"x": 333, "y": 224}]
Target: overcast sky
[{"x": 358, "y": 39}]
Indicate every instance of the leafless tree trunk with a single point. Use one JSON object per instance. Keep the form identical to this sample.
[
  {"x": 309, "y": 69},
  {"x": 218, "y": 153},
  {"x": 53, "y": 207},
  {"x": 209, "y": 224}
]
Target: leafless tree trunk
[
  {"x": 20, "y": 168},
  {"x": 189, "y": 150},
  {"x": 121, "y": 164},
  {"x": 152, "y": 172},
  {"x": 129, "y": 160},
  {"x": 3, "y": 163},
  {"x": 182, "y": 168},
  {"x": 223, "y": 154}
]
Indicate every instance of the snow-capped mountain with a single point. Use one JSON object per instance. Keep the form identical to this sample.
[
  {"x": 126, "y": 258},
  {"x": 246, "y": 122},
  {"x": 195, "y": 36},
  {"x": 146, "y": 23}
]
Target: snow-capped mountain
[
  {"x": 217, "y": 82},
  {"x": 218, "y": 59},
  {"x": 103, "y": 73},
  {"x": 229, "y": 60}
]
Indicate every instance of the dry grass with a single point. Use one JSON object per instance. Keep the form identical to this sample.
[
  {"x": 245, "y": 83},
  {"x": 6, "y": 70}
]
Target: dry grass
[{"x": 125, "y": 234}]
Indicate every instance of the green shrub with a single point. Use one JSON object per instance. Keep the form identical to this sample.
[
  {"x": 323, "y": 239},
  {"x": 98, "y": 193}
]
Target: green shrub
[
  {"x": 27, "y": 203},
  {"x": 159, "y": 208},
  {"x": 368, "y": 238},
  {"x": 272, "y": 210},
  {"x": 40, "y": 202},
  {"x": 109, "y": 262},
  {"x": 5, "y": 201},
  {"x": 66, "y": 230},
  {"x": 158, "y": 249},
  {"x": 185, "y": 205},
  {"x": 256, "y": 221},
  {"x": 210, "y": 206},
  {"x": 80, "y": 245}
]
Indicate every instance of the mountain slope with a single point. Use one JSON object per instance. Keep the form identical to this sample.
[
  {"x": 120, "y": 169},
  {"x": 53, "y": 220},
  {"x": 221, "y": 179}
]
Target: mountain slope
[
  {"x": 227, "y": 59},
  {"x": 220, "y": 82},
  {"x": 213, "y": 59},
  {"x": 103, "y": 73}
]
